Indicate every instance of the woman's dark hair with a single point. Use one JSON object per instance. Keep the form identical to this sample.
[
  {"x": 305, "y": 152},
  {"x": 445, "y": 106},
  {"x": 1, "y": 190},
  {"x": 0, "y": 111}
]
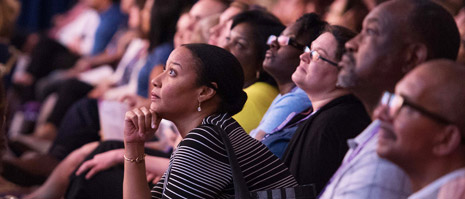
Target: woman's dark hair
[
  {"x": 342, "y": 35},
  {"x": 220, "y": 66},
  {"x": 163, "y": 18},
  {"x": 311, "y": 26},
  {"x": 263, "y": 25}
]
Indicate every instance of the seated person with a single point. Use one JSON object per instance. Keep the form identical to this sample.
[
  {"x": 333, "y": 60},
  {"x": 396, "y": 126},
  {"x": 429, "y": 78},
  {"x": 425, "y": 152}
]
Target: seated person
[
  {"x": 199, "y": 91},
  {"x": 247, "y": 42},
  {"x": 318, "y": 145},
  {"x": 280, "y": 62},
  {"x": 422, "y": 128},
  {"x": 375, "y": 60}
]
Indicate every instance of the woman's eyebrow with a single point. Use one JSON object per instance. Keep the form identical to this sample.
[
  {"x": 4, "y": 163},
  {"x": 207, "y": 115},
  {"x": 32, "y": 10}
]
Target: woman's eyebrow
[{"x": 177, "y": 64}]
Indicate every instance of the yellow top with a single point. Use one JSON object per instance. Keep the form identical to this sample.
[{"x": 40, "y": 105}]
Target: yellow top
[{"x": 260, "y": 95}]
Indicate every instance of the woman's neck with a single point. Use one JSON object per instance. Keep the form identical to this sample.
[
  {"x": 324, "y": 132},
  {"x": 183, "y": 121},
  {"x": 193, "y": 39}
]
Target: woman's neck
[
  {"x": 189, "y": 121},
  {"x": 319, "y": 99},
  {"x": 285, "y": 86}
]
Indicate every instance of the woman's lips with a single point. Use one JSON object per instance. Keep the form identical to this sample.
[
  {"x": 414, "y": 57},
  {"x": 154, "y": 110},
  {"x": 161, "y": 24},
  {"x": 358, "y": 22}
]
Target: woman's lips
[{"x": 154, "y": 96}]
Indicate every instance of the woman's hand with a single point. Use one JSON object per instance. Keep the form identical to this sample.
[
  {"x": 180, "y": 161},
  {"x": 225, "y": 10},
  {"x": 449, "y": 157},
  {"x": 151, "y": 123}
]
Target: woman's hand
[
  {"x": 101, "y": 162},
  {"x": 140, "y": 125}
]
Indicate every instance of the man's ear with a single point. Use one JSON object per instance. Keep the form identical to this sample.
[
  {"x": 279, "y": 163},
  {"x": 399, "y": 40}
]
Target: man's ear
[
  {"x": 207, "y": 93},
  {"x": 416, "y": 54},
  {"x": 448, "y": 141}
]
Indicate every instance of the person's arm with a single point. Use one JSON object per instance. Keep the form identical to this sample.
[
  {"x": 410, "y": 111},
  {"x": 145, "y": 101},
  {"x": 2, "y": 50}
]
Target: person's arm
[{"x": 140, "y": 126}]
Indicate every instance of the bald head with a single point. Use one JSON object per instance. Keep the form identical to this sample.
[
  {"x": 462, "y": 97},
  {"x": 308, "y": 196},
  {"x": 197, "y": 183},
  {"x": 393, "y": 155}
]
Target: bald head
[{"x": 441, "y": 84}]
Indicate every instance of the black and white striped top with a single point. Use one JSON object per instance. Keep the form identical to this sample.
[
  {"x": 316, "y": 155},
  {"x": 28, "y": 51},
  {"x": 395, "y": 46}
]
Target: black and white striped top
[{"x": 200, "y": 165}]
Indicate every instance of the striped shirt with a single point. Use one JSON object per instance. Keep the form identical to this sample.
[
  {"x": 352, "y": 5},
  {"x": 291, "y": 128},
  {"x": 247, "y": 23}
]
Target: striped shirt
[{"x": 200, "y": 165}]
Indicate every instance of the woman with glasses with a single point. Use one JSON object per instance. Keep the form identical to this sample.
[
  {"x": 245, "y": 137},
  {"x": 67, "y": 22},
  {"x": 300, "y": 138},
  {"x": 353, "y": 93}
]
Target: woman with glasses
[
  {"x": 280, "y": 62},
  {"x": 320, "y": 142}
]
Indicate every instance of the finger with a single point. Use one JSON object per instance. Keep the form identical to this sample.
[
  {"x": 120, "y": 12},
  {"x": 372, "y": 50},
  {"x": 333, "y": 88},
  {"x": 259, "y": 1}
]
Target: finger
[
  {"x": 129, "y": 120},
  {"x": 141, "y": 121},
  {"x": 92, "y": 172},
  {"x": 150, "y": 177},
  {"x": 148, "y": 118},
  {"x": 84, "y": 167},
  {"x": 156, "y": 179},
  {"x": 155, "y": 120},
  {"x": 135, "y": 119}
]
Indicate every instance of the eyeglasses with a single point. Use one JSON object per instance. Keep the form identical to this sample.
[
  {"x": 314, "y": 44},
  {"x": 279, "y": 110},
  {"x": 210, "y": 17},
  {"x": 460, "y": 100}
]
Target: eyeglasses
[
  {"x": 315, "y": 56},
  {"x": 396, "y": 102},
  {"x": 284, "y": 41}
]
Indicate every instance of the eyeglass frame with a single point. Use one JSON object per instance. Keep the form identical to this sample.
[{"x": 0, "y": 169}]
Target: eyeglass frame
[
  {"x": 289, "y": 42},
  {"x": 389, "y": 97},
  {"x": 312, "y": 53}
]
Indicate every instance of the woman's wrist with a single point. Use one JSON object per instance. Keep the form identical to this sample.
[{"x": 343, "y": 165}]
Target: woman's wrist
[{"x": 134, "y": 149}]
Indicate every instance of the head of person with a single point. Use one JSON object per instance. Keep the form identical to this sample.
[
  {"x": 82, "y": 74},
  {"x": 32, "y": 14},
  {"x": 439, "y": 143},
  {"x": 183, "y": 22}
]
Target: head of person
[
  {"x": 220, "y": 31},
  {"x": 396, "y": 36},
  {"x": 9, "y": 10},
  {"x": 158, "y": 20},
  {"x": 201, "y": 33},
  {"x": 318, "y": 69},
  {"x": 135, "y": 14},
  {"x": 422, "y": 123},
  {"x": 205, "y": 8},
  {"x": 181, "y": 37},
  {"x": 198, "y": 75},
  {"x": 282, "y": 58},
  {"x": 247, "y": 40}
]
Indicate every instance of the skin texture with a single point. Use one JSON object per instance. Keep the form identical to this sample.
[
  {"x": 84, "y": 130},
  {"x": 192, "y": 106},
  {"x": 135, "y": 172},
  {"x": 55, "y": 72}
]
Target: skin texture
[
  {"x": 318, "y": 78},
  {"x": 171, "y": 99},
  {"x": 378, "y": 50},
  {"x": 220, "y": 31},
  {"x": 422, "y": 146},
  {"x": 242, "y": 45},
  {"x": 281, "y": 61}
]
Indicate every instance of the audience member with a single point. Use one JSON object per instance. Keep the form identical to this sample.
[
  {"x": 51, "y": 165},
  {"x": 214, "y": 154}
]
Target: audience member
[
  {"x": 201, "y": 33},
  {"x": 318, "y": 145},
  {"x": 288, "y": 11},
  {"x": 422, "y": 128},
  {"x": 81, "y": 124},
  {"x": 201, "y": 10},
  {"x": 199, "y": 91},
  {"x": 347, "y": 13},
  {"x": 247, "y": 42},
  {"x": 220, "y": 32},
  {"x": 396, "y": 36},
  {"x": 280, "y": 62}
]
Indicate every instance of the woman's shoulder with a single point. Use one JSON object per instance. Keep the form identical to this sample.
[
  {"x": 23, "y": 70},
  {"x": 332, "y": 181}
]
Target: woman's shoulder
[{"x": 261, "y": 89}]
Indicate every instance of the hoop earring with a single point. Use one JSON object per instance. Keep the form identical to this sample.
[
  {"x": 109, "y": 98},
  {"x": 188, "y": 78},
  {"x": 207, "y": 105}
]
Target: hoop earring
[
  {"x": 198, "y": 108},
  {"x": 257, "y": 74}
]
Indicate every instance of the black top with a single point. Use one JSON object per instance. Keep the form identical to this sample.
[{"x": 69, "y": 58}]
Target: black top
[
  {"x": 318, "y": 146},
  {"x": 200, "y": 166}
]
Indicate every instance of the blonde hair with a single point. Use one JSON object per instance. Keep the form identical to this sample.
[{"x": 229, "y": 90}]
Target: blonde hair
[{"x": 9, "y": 10}]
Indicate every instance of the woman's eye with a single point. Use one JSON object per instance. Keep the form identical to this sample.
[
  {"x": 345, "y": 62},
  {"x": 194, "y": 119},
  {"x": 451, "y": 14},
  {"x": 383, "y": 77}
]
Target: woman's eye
[
  {"x": 171, "y": 72},
  {"x": 371, "y": 31},
  {"x": 239, "y": 45}
]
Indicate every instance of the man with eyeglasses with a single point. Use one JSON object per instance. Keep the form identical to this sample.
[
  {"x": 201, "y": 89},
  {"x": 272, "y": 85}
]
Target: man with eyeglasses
[
  {"x": 396, "y": 36},
  {"x": 422, "y": 127}
]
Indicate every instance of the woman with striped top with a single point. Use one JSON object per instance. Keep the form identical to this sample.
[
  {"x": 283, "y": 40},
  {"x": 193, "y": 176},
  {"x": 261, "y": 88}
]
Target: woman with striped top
[{"x": 201, "y": 87}]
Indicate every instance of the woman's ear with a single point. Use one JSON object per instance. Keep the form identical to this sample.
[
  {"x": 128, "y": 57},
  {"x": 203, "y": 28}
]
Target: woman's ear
[
  {"x": 207, "y": 93},
  {"x": 448, "y": 141}
]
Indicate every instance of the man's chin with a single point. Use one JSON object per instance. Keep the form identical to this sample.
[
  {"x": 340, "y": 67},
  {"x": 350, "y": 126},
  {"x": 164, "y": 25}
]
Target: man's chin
[{"x": 346, "y": 79}]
